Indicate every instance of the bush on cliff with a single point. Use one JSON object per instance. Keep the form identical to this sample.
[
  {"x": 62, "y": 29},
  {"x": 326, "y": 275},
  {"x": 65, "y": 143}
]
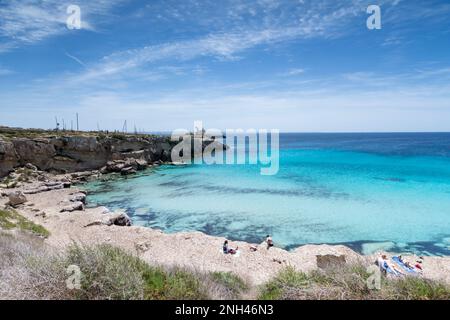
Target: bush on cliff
[{"x": 349, "y": 283}]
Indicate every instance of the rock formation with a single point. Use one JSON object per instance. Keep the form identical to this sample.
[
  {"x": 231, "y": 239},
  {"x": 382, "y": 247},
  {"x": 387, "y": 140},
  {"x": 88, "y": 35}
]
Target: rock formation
[{"x": 81, "y": 152}]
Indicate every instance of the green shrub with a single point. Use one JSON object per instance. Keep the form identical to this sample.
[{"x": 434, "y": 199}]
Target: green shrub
[
  {"x": 349, "y": 282},
  {"x": 286, "y": 280},
  {"x": 231, "y": 282},
  {"x": 107, "y": 273},
  {"x": 111, "y": 273},
  {"x": 10, "y": 219},
  {"x": 414, "y": 288}
]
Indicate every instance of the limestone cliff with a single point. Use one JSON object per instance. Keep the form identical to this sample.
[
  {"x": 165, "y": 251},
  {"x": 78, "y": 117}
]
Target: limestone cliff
[{"x": 70, "y": 152}]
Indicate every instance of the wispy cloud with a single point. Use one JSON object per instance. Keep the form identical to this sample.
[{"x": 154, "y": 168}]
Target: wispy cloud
[
  {"x": 5, "y": 71},
  {"x": 293, "y": 72},
  {"x": 226, "y": 45},
  {"x": 77, "y": 60},
  {"x": 28, "y": 21}
]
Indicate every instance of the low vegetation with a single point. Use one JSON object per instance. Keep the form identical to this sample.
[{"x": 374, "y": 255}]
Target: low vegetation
[
  {"x": 10, "y": 133},
  {"x": 349, "y": 283},
  {"x": 10, "y": 219},
  {"x": 107, "y": 272},
  {"x": 30, "y": 270}
]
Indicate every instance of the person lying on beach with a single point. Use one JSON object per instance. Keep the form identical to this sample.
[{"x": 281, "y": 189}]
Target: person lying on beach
[
  {"x": 385, "y": 265},
  {"x": 227, "y": 250},
  {"x": 414, "y": 267},
  {"x": 269, "y": 242}
]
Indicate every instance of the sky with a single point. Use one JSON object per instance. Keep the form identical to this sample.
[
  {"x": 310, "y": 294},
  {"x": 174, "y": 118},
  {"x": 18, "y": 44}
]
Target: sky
[{"x": 292, "y": 65}]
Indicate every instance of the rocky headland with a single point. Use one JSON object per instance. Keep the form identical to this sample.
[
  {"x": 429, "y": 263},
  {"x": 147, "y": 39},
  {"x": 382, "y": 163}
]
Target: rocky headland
[{"x": 62, "y": 152}]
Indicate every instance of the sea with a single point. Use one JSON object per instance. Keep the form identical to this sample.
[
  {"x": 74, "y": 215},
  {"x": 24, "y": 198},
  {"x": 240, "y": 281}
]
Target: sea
[{"x": 369, "y": 191}]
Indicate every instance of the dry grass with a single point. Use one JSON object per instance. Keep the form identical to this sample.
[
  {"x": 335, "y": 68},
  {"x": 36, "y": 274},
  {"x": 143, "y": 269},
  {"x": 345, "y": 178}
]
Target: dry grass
[
  {"x": 28, "y": 270},
  {"x": 31, "y": 271}
]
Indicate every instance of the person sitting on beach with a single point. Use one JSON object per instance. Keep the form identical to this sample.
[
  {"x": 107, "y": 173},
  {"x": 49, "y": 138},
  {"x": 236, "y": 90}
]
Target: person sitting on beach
[
  {"x": 381, "y": 262},
  {"x": 227, "y": 250},
  {"x": 269, "y": 241}
]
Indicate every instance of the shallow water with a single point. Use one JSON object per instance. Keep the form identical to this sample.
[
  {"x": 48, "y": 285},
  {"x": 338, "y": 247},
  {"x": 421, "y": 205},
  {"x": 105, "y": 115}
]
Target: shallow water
[{"x": 368, "y": 191}]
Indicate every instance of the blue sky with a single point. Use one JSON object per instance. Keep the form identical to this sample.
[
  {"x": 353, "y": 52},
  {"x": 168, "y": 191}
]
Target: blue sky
[{"x": 300, "y": 65}]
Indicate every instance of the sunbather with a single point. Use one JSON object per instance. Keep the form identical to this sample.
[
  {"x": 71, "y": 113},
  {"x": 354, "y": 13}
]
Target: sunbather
[
  {"x": 388, "y": 267},
  {"x": 227, "y": 250},
  {"x": 407, "y": 267}
]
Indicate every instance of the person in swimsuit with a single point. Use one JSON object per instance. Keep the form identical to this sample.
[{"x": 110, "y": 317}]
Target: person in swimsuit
[
  {"x": 269, "y": 241},
  {"x": 227, "y": 250}
]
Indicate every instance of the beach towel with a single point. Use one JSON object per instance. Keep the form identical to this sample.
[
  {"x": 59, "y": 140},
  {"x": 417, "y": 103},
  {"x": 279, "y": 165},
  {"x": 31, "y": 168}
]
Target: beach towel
[
  {"x": 236, "y": 255},
  {"x": 408, "y": 270},
  {"x": 384, "y": 266}
]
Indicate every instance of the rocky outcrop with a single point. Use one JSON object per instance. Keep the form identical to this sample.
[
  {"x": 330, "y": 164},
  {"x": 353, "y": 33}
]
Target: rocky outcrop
[
  {"x": 78, "y": 197},
  {"x": 16, "y": 198},
  {"x": 74, "y": 206},
  {"x": 117, "y": 219},
  {"x": 82, "y": 152},
  {"x": 330, "y": 260},
  {"x": 125, "y": 167},
  {"x": 8, "y": 157}
]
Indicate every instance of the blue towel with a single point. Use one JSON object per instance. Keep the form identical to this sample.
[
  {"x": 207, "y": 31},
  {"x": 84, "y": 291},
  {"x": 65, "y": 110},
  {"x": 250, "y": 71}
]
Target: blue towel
[
  {"x": 386, "y": 268},
  {"x": 404, "y": 266}
]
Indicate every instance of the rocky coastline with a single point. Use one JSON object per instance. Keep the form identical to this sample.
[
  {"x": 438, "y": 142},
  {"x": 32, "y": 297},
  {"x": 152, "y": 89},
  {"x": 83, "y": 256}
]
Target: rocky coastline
[
  {"x": 63, "y": 152},
  {"x": 42, "y": 181}
]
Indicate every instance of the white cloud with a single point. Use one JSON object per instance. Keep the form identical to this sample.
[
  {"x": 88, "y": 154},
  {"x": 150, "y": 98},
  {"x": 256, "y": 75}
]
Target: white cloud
[
  {"x": 5, "y": 71},
  {"x": 293, "y": 72},
  {"x": 26, "y": 21}
]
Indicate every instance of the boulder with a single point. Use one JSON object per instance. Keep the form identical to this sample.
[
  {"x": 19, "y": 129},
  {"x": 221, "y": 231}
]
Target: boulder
[
  {"x": 119, "y": 219},
  {"x": 115, "y": 166},
  {"x": 330, "y": 261},
  {"x": 127, "y": 171},
  {"x": 78, "y": 197},
  {"x": 31, "y": 166},
  {"x": 16, "y": 198},
  {"x": 141, "y": 164},
  {"x": 75, "y": 206}
]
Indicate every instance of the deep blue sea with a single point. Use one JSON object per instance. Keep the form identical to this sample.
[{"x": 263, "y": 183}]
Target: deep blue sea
[{"x": 386, "y": 191}]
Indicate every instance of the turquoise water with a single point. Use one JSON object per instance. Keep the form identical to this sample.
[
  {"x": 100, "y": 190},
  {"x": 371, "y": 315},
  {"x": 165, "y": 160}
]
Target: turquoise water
[{"x": 368, "y": 191}]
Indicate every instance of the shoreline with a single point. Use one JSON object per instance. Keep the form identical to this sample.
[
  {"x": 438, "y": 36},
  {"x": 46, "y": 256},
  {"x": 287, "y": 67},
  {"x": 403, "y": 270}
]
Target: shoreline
[{"x": 193, "y": 250}]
